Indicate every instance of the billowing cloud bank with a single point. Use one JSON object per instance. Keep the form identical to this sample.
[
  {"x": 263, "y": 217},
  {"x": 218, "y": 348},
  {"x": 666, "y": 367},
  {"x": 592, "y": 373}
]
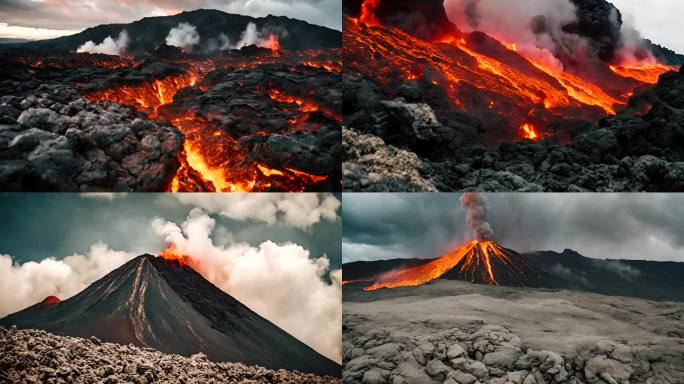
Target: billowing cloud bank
[
  {"x": 300, "y": 210},
  {"x": 28, "y": 283}
]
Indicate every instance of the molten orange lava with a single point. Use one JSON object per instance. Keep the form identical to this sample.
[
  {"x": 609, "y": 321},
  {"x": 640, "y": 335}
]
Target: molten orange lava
[
  {"x": 646, "y": 74},
  {"x": 368, "y": 13},
  {"x": 273, "y": 43},
  {"x": 477, "y": 74},
  {"x": 528, "y": 131},
  {"x": 470, "y": 256},
  {"x": 172, "y": 253},
  {"x": 146, "y": 96}
]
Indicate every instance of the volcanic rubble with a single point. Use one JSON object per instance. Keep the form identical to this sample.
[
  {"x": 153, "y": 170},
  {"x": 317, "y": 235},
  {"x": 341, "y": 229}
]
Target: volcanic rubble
[
  {"x": 34, "y": 356},
  {"x": 81, "y": 122},
  {"x": 415, "y": 141},
  {"x": 461, "y": 333}
]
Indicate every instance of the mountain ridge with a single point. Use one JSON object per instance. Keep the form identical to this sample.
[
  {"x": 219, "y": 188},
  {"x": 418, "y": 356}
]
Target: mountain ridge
[
  {"x": 653, "y": 280},
  {"x": 147, "y": 33}
]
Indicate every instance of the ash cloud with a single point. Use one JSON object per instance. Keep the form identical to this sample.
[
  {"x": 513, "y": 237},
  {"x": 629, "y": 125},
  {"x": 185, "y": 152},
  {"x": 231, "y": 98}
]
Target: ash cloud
[
  {"x": 476, "y": 214},
  {"x": 183, "y": 36},
  {"x": 108, "y": 46}
]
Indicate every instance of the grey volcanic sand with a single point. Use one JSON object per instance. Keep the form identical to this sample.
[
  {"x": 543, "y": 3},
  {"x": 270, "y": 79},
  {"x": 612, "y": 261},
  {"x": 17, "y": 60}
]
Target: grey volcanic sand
[{"x": 521, "y": 335}]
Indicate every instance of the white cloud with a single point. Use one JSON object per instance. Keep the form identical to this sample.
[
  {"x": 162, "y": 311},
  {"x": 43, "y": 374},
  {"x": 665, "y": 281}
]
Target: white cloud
[
  {"x": 29, "y": 283},
  {"x": 300, "y": 210},
  {"x": 281, "y": 282},
  {"x": 183, "y": 36},
  {"x": 108, "y": 46}
]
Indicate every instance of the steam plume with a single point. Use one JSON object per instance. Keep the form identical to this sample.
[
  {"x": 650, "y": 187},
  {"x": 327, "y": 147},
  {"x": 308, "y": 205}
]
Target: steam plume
[
  {"x": 476, "y": 215},
  {"x": 281, "y": 282},
  {"x": 108, "y": 46},
  {"x": 252, "y": 36},
  {"x": 183, "y": 36}
]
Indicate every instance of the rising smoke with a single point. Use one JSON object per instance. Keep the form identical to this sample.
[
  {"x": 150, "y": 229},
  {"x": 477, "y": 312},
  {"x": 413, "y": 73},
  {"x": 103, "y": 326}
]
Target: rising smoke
[
  {"x": 108, "y": 46},
  {"x": 537, "y": 29},
  {"x": 252, "y": 36},
  {"x": 183, "y": 36},
  {"x": 476, "y": 214}
]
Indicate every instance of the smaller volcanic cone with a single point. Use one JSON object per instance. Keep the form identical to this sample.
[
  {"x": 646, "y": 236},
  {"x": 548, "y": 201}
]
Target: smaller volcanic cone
[{"x": 50, "y": 300}]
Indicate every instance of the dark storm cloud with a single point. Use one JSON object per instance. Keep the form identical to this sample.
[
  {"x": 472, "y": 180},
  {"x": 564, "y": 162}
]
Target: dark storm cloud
[
  {"x": 77, "y": 14},
  {"x": 630, "y": 226}
]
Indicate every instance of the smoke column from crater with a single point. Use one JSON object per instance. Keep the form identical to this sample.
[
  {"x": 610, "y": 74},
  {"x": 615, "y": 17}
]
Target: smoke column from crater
[{"x": 476, "y": 214}]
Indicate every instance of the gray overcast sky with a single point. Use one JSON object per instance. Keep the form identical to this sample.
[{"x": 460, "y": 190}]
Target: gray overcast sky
[
  {"x": 629, "y": 226},
  {"x": 38, "y": 19},
  {"x": 662, "y": 21},
  {"x": 39, "y": 225}
]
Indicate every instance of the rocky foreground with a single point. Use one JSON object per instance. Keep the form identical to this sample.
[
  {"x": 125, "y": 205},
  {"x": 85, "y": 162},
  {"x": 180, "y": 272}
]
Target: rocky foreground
[
  {"x": 460, "y": 333},
  {"x": 33, "y": 356}
]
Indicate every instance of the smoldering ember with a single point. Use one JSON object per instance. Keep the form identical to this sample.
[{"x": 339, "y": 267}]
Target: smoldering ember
[
  {"x": 199, "y": 101},
  {"x": 495, "y": 96}
]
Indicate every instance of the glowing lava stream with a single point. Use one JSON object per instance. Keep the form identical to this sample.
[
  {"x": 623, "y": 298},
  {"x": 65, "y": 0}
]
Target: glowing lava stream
[
  {"x": 646, "y": 74},
  {"x": 472, "y": 257},
  {"x": 421, "y": 274}
]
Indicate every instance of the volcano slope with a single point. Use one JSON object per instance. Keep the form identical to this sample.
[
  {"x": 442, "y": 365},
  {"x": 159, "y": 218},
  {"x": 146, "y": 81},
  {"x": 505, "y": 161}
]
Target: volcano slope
[
  {"x": 172, "y": 119},
  {"x": 33, "y": 356},
  {"x": 458, "y": 332},
  {"x": 445, "y": 110},
  {"x": 158, "y": 303}
]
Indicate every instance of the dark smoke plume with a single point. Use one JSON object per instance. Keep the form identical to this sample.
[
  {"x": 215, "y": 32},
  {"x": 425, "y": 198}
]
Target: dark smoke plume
[{"x": 476, "y": 215}]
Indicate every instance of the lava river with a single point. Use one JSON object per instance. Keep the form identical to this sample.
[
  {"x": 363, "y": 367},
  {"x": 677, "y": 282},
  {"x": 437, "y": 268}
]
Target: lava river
[
  {"x": 483, "y": 262},
  {"x": 514, "y": 96},
  {"x": 212, "y": 159}
]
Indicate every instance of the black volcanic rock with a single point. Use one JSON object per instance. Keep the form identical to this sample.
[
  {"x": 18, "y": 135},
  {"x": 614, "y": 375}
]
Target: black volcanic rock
[
  {"x": 600, "y": 22},
  {"x": 148, "y": 33},
  {"x": 157, "y": 303},
  {"x": 424, "y": 19}
]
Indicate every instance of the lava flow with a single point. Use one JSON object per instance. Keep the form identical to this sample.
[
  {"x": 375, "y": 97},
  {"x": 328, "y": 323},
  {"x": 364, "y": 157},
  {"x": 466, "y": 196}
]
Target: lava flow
[
  {"x": 212, "y": 159},
  {"x": 477, "y": 72},
  {"x": 483, "y": 262}
]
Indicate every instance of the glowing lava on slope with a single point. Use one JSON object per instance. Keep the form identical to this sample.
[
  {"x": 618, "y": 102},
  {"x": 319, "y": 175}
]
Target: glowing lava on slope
[
  {"x": 483, "y": 262},
  {"x": 477, "y": 71},
  {"x": 648, "y": 73}
]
